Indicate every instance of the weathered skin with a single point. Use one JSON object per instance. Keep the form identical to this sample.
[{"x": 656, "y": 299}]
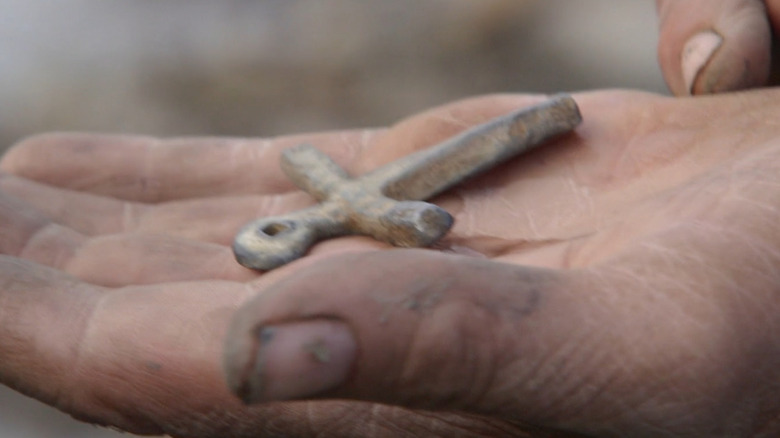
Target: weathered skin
[{"x": 621, "y": 283}]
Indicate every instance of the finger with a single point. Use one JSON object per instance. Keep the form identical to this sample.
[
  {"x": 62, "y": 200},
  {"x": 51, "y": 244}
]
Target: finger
[
  {"x": 36, "y": 342},
  {"x": 111, "y": 260},
  {"x": 418, "y": 329},
  {"x": 150, "y": 170},
  {"x": 130, "y": 259},
  {"x": 773, "y": 10},
  {"x": 113, "y": 242},
  {"x": 214, "y": 220},
  {"x": 169, "y": 242},
  {"x": 144, "y": 360},
  {"x": 712, "y": 46},
  {"x": 18, "y": 223},
  {"x": 110, "y": 358},
  {"x": 133, "y": 259},
  {"x": 83, "y": 212}
]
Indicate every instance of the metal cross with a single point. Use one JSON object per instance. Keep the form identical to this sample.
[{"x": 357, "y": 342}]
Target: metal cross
[{"x": 386, "y": 203}]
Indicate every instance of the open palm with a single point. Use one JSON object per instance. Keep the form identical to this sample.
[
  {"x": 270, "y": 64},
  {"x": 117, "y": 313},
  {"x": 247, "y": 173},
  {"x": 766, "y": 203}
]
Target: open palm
[{"x": 619, "y": 281}]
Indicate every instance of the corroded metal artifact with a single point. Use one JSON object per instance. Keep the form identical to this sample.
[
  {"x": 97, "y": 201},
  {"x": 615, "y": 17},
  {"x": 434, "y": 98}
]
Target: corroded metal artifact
[{"x": 386, "y": 203}]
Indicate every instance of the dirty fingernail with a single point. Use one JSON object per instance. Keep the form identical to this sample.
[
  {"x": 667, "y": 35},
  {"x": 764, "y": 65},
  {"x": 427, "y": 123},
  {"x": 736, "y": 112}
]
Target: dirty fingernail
[
  {"x": 298, "y": 360},
  {"x": 696, "y": 54}
]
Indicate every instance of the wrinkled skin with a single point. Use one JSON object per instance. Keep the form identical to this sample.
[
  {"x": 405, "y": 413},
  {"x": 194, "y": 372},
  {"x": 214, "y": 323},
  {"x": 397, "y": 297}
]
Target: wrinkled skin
[{"x": 622, "y": 281}]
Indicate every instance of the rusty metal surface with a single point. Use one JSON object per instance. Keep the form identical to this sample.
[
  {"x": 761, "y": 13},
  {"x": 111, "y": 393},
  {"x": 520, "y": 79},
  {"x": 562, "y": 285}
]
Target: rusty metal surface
[{"x": 386, "y": 204}]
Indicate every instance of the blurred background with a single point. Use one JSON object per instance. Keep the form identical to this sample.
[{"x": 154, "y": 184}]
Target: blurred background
[{"x": 270, "y": 67}]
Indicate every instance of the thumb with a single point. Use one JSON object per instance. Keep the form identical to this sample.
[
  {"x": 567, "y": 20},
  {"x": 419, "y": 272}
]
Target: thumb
[
  {"x": 713, "y": 46},
  {"x": 415, "y": 328}
]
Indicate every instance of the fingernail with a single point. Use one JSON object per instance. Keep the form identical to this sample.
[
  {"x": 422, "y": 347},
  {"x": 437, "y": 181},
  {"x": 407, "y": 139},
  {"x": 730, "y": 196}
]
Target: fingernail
[
  {"x": 696, "y": 54},
  {"x": 298, "y": 360}
]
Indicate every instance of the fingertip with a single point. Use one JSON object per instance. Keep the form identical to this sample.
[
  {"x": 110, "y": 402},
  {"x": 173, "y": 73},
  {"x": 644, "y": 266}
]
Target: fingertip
[
  {"x": 710, "y": 46},
  {"x": 740, "y": 62},
  {"x": 69, "y": 158},
  {"x": 18, "y": 155},
  {"x": 292, "y": 361},
  {"x": 696, "y": 54}
]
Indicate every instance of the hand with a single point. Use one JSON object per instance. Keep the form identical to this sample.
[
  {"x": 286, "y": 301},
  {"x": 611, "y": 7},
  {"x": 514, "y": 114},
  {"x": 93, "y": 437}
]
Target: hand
[
  {"x": 619, "y": 282},
  {"x": 713, "y": 46}
]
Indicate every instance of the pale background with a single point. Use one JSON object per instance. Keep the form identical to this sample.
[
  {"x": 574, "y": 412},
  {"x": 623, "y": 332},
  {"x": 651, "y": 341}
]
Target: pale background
[{"x": 269, "y": 67}]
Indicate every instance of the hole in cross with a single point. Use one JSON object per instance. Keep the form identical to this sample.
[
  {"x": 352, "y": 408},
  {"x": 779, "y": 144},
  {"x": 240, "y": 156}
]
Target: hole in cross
[{"x": 276, "y": 228}]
